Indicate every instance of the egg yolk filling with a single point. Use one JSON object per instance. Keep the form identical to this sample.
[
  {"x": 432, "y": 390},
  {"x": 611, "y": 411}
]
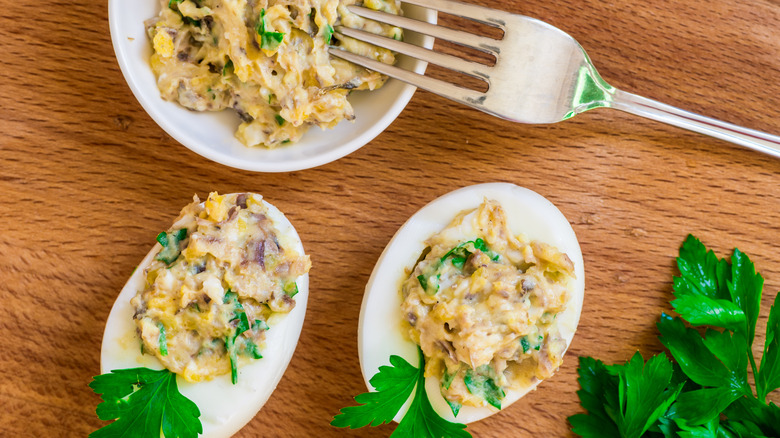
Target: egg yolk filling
[
  {"x": 482, "y": 304},
  {"x": 266, "y": 59},
  {"x": 223, "y": 271}
]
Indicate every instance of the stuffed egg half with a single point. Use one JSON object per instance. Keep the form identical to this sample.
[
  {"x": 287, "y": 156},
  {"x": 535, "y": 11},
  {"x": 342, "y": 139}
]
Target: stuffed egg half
[
  {"x": 200, "y": 356},
  {"x": 423, "y": 266}
]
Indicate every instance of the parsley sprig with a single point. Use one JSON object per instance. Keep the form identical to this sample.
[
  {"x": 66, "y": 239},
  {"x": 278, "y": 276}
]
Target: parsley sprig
[
  {"x": 706, "y": 393},
  {"x": 144, "y": 402},
  {"x": 394, "y": 384}
]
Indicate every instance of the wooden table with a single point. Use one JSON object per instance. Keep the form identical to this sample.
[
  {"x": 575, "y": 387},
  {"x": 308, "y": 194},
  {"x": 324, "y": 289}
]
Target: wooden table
[{"x": 89, "y": 179}]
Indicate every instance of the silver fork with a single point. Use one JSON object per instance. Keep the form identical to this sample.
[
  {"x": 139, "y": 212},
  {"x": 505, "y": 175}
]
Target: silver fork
[{"x": 541, "y": 74}]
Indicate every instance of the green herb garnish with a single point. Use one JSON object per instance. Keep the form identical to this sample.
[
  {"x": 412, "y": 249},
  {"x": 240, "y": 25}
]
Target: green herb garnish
[
  {"x": 268, "y": 40},
  {"x": 242, "y": 325},
  {"x": 525, "y": 344},
  {"x": 174, "y": 5},
  {"x": 144, "y": 403},
  {"x": 707, "y": 393},
  {"x": 171, "y": 245},
  {"x": 252, "y": 350},
  {"x": 291, "y": 289},
  {"x": 279, "y": 119},
  {"x": 447, "y": 378},
  {"x": 634, "y": 395},
  {"x": 429, "y": 284},
  {"x": 327, "y": 33},
  {"x": 423, "y": 282},
  {"x": 228, "y": 68},
  {"x": 454, "y": 406},
  {"x": 259, "y": 324},
  {"x": 461, "y": 253},
  {"x": 394, "y": 384},
  {"x": 480, "y": 383},
  {"x": 446, "y": 382},
  {"x": 161, "y": 340}
]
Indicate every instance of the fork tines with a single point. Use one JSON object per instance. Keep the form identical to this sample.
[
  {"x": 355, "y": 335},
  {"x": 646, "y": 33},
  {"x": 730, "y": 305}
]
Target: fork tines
[{"x": 485, "y": 44}]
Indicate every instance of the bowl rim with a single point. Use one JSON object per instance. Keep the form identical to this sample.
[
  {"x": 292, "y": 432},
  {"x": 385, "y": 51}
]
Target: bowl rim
[{"x": 158, "y": 114}]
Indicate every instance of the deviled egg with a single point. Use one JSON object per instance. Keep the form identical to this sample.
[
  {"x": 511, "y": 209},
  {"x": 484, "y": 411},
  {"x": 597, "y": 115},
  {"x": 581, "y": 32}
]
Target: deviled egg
[
  {"x": 220, "y": 301},
  {"x": 488, "y": 281}
]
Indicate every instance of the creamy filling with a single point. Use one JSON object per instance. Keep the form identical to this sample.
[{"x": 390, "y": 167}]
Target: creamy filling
[
  {"x": 482, "y": 304},
  {"x": 223, "y": 271},
  {"x": 266, "y": 59}
]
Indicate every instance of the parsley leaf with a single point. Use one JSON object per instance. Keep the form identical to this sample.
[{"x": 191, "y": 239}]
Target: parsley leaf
[
  {"x": 704, "y": 405},
  {"x": 643, "y": 395},
  {"x": 744, "y": 429},
  {"x": 765, "y": 416},
  {"x": 699, "y": 267},
  {"x": 745, "y": 289},
  {"x": 144, "y": 402},
  {"x": 421, "y": 421},
  {"x": 598, "y": 395},
  {"x": 624, "y": 400},
  {"x": 693, "y": 356},
  {"x": 701, "y": 298},
  {"x": 718, "y": 400},
  {"x": 769, "y": 374},
  {"x": 394, "y": 384},
  {"x": 268, "y": 40}
]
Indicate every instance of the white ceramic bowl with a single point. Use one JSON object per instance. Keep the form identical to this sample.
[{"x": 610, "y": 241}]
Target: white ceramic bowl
[{"x": 210, "y": 134}]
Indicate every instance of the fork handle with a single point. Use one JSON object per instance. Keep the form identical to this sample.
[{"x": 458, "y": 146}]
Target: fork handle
[{"x": 641, "y": 106}]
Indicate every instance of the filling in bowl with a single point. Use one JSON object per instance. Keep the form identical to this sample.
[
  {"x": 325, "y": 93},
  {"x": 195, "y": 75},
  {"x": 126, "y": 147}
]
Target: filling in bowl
[
  {"x": 266, "y": 59},
  {"x": 482, "y": 304},
  {"x": 223, "y": 271}
]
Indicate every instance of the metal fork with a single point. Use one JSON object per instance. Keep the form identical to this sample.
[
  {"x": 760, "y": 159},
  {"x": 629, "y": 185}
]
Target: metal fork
[{"x": 541, "y": 74}]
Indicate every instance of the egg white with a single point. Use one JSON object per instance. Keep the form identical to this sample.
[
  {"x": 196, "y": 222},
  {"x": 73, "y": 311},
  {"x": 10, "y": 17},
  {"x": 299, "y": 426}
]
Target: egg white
[
  {"x": 380, "y": 331},
  {"x": 225, "y": 408}
]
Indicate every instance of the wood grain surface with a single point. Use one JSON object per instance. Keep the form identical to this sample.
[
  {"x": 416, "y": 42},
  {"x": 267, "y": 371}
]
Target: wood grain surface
[{"x": 88, "y": 180}]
